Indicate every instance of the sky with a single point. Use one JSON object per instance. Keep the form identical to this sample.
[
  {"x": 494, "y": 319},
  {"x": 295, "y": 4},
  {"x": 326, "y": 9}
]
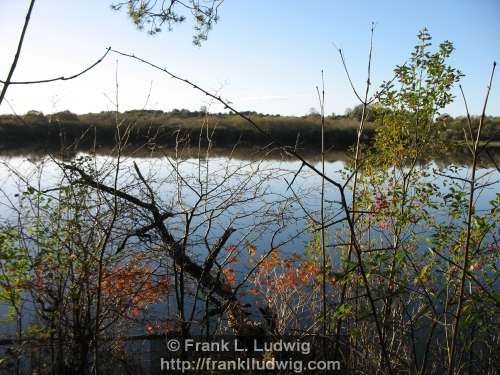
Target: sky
[{"x": 262, "y": 55}]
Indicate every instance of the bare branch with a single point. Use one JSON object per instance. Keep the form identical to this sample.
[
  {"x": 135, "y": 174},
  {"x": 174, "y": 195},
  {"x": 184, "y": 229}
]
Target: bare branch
[{"x": 7, "y": 82}]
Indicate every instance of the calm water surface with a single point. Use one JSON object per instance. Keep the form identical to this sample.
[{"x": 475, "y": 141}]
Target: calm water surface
[{"x": 267, "y": 213}]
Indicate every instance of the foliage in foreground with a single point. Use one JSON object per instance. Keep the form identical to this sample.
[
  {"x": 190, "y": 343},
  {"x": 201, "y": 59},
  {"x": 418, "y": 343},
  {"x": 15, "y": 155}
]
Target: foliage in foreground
[{"x": 406, "y": 282}]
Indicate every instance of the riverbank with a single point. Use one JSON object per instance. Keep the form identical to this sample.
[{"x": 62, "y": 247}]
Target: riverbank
[{"x": 35, "y": 129}]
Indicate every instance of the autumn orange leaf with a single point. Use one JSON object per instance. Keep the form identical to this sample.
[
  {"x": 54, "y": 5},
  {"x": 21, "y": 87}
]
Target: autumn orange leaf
[
  {"x": 252, "y": 250},
  {"x": 230, "y": 275}
]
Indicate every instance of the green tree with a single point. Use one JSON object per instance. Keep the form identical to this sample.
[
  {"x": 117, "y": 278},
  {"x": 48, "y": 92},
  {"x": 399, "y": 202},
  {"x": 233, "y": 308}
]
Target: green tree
[
  {"x": 154, "y": 15},
  {"x": 424, "y": 88}
]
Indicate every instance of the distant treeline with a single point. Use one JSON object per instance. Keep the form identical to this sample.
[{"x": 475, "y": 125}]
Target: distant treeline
[{"x": 165, "y": 127}]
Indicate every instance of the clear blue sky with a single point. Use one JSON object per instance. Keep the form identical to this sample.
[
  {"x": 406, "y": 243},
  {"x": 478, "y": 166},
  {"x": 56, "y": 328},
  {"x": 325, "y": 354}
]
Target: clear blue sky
[{"x": 264, "y": 55}]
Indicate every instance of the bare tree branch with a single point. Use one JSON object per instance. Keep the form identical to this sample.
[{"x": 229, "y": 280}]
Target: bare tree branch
[
  {"x": 62, "y": 78},
  {"x": 7, "y": 82}
]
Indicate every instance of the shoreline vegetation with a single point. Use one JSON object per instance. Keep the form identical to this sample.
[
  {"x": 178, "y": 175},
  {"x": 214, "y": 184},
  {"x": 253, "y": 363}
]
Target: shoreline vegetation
[{"x": 36, "y": 130}]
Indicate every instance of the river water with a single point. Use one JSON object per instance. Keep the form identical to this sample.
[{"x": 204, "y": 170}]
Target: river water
[{"x": 246, "y": 191}]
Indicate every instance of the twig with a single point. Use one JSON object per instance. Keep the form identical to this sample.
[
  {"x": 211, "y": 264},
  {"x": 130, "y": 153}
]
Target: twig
[
  {"x": 7, "y": 82},
  {"x": 470, "y": 214},
  {"x": 62, "y": 78}
]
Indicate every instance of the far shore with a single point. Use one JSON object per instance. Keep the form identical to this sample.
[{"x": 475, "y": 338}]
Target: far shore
[{"x": 153, "y": 133}]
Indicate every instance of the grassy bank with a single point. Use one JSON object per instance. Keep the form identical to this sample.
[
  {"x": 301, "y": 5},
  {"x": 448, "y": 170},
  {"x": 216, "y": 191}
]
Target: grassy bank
[{"x": 164, "y": 127}]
